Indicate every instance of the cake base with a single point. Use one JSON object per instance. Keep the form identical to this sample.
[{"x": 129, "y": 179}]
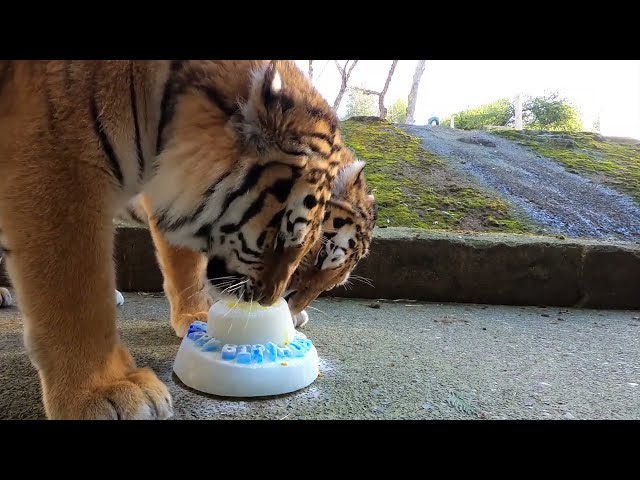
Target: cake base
[{"x": 207, "y": 365}]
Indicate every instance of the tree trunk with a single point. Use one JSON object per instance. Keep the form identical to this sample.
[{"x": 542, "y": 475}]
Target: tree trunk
[
  {"x": 413, "y": 94},
  {"x": 345, "y": 79},
  {"x": 381, "y": 107},
  {"x": 311, "y": 71}
]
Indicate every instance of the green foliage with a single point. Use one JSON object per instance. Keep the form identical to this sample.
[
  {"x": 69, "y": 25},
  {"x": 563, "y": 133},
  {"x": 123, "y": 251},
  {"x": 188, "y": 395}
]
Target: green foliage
[
  {"x": 360, "y": 104},
  {"x": 410, "y": 187},
  {"x": 397, "y": 112},
  {"x": 615, "y": 164},
  {"x": 498, "y": 113},
  {"x": 546, "y": 112},
  {"x": 550, "y": 112}
]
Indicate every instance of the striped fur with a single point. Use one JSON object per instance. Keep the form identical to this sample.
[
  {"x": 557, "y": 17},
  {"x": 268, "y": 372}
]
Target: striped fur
[
  {"x": 350, "y": 216},
  {"x": 346, "y": 236},
  {"x": 233, "y": 159}
]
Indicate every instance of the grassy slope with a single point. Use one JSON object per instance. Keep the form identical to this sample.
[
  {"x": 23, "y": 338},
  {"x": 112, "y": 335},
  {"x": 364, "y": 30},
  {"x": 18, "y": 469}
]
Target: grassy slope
[
  {"x": 614, "y": 164},
  {"x": 414, "y": 189}
]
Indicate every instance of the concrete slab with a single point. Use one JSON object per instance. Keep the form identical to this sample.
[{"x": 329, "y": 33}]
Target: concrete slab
[{"x": 400, "y": 361}]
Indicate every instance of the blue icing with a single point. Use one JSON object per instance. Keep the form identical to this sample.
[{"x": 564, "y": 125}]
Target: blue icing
[
  {"x": 213, "y": 345},
  {"x": 197, "y": 326},
  {"x": 284, "y": 352},
  {"x": 228, "y": 352},
  {"x": 244, "y": 357},
  {"x": 296, "y": 349},
  {"x": 195, "y": 335},
  {"x": 257, "y": 353},
  {"x": 272, "y": 351},
  {"x": 202, "y": 340}
]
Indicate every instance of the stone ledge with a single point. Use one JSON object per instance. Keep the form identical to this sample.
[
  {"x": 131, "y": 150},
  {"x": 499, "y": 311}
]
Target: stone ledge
[{"x": 451, "y": 267}]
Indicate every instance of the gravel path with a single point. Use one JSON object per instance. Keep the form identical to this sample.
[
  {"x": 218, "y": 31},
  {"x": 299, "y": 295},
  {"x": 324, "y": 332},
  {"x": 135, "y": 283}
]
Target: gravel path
[{"x": 552, "y": 198}]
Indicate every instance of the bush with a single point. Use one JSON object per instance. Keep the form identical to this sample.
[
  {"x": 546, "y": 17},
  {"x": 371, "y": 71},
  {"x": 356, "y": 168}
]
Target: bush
[
  {"x": 546, "y": 112},
  {"x": 498, "y": 113},
  {"x": 550, "y": 112}
]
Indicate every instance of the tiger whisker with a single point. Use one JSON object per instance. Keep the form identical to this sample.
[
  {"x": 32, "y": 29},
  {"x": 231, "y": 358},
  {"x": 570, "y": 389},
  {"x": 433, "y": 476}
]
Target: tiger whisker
[
  {"x": 366, "y": 281},
  {"x": 231, "y": 309},
  {"x": 317, "y": 309}
]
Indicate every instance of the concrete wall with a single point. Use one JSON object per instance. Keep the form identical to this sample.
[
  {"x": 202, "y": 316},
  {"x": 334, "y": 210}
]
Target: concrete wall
[{"x": 444, "y": 267}]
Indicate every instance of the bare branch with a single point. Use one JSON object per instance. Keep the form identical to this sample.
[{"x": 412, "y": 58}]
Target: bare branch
[
  {"x": 311, "y": 71},
  {"x": 366, "y": 91},
  {"x": 355, "y": 62},
  {"x": 382, "y": 108},
  {"x": 345, "y": 74}
]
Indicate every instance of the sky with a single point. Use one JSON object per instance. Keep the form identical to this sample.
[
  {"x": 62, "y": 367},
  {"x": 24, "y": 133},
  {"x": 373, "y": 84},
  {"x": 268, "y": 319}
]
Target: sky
[{"x": 609, "y": 89}]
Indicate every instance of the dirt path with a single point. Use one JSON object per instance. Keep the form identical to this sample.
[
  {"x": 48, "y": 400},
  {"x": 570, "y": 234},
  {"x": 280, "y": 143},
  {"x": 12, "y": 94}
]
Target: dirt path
[{"x": 552, "y": 198}]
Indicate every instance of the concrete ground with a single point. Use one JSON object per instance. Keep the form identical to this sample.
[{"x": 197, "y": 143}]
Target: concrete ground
[{"x": 402, "y": 360}]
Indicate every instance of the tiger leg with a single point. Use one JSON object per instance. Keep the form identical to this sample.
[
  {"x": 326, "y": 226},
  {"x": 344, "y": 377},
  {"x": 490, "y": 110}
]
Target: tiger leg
[
  {"x": 58, "y": 233},
  {"x": 183, "y": 272}
]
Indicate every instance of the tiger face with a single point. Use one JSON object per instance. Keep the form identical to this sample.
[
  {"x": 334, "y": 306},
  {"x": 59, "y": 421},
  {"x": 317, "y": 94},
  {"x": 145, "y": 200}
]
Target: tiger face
[
  {"x": 346, "y": 235},
  {"x": 258, "y": 148}
]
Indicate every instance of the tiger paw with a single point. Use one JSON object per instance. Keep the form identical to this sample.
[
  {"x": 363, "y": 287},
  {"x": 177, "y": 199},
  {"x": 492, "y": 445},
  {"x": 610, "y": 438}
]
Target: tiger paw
[
  {"x": 183, "y": 321},
  {"x": 119, "y": 299},
  {"x": 300, "y": 319},
  {"x": 5, "y": 298},
  {"x": 137, "y": 396}
]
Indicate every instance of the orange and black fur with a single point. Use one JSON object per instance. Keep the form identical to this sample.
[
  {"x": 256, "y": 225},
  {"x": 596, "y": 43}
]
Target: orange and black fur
[
  {"x": 349, "y": 219},
  {"x": 235, "y": 161}
]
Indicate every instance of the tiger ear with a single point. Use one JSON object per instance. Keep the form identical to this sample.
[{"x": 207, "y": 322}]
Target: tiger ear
[
  {"x": 258, "y": 119},
  {"x": 266, "y": 88},
  {"x": 348, "y": 177},
  {"x": 271, "y": 84}
]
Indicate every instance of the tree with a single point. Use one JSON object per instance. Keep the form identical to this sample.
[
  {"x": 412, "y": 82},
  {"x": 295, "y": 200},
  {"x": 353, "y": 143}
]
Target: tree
[
  {"x": 345, "y": 73},
  {"x": 359, "y": 104},
  {"x": 547, "y": 112},
  {"x": 382, "y": 111},
  {"x": 551, "y": 112},
  {"x": 397, "y": 112},
  {"x": 498, "y": 113},
  {"x": 311, "y": 71},
  {"x": 413, "y": 94}
]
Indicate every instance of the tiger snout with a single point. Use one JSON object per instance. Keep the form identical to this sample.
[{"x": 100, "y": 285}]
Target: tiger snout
[{"x": 279, "y": 268}]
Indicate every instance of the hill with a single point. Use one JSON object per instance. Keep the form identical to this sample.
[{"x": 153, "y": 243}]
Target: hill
[{"x": 415, "y": 188}]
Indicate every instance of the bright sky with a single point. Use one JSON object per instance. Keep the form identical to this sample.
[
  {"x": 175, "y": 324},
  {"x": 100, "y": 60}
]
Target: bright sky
[{"x": 606, "y": 88}]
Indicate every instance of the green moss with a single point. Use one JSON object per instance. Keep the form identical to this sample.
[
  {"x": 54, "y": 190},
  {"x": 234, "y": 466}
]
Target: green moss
[
  {"x": 615, "y": 164},
  {"x": 413, "y": 187}
]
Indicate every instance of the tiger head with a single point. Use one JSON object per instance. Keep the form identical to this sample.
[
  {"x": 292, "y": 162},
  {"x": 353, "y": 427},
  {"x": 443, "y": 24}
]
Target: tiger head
[
  {"x": 346, "y": 235},
  {"x": 248, "y": 155}
]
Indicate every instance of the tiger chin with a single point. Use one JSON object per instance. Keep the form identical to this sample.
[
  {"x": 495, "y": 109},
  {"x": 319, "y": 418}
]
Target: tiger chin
[{"x": 234, "y": 162}]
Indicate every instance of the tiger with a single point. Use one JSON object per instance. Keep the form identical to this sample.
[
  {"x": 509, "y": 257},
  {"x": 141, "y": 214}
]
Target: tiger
[
  {"x": 234, "y": 162},
  {"x": 350, "y": 217}
]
